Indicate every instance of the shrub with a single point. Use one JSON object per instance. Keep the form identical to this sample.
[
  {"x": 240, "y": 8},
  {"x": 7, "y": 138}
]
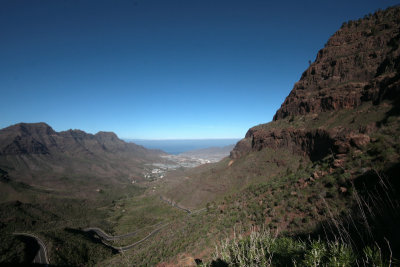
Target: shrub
[{"x": 261, "y": 248}]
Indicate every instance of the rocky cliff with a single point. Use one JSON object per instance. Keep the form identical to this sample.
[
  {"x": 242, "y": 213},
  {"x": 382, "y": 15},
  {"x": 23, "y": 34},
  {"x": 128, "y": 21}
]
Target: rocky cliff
[
  {"x": 40, "y": 138},
  {"x": 31, "y": 152},
  {"x": 354, "y": 66},
  {"x": 357, "y": 72}
]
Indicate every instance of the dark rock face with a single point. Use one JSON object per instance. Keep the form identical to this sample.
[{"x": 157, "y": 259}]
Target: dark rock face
[
  {"x": 313, "y": 143},
  {"x": 24, "y": 146},
  {"x": 40, "y": 138},
  {"x": 359, "y": 64},
  {"x": 353, "y": 67},
  {"x": 35, "y": 153},
  {"x": 25, "y": 138}
]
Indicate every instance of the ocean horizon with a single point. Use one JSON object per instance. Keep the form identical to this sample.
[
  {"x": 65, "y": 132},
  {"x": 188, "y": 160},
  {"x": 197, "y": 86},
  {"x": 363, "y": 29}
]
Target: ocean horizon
[{"x": 177, "y": 146}]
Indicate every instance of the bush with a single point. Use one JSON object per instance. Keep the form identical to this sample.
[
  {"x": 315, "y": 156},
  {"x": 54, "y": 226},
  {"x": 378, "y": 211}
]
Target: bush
[{"x": 261, "y": 248}]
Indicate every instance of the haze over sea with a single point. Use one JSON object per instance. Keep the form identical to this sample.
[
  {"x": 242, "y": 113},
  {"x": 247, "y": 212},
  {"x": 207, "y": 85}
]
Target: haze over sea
[{"x": 177, "y": 146}]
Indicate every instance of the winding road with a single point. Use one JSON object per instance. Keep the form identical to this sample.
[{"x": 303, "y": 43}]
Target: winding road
[
  {"x": 169, "y": 202},
  {"x": 41, "y": 256},
  {"x": 106, "y": 237},
  {"x": 140, "y": 241}
]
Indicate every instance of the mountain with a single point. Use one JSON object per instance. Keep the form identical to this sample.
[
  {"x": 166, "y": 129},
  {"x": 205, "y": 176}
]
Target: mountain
[
  {"x": 35, "y": 153},
  {"x": 340, "y": 102},
  {"x": 317, "y": 186},
  {"x": 327, "y": 165},
  {"x": 40, "y": 138},
  {"x": 54, "y": 184},
  {"x": 358, "y": 67}
]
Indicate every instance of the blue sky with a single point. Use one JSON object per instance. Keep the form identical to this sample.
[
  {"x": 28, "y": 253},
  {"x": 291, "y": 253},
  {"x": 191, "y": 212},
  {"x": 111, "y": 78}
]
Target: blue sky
[{"x": 163, "y": 69}]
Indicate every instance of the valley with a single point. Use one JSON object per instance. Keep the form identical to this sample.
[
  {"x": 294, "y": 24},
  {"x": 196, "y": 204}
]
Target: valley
[
  {"x": 83, "y": 218},
  {"x": 316, "y": 186},
  {"x": 187, "y": 159}
]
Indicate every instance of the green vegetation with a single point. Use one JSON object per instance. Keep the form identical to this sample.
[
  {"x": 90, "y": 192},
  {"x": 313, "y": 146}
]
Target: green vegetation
[
  {"x": 334, "y": 206},
  {"x": 359, "y": 117},
  {"x": 72, "y": 247},
  {"x": 57, "y": 217},
  {"x": 13, "y": 250},
  {"x": 213, "y": 182},
  {"x": 274, "y": 190},
  {"x": 338, "y": 209},
  {"x": 262, "y": 248}
]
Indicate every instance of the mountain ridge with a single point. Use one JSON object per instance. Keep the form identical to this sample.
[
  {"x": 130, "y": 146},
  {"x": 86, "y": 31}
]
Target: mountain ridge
[
  {"x": 355, "y": 66},
  {"x": 40, "y": 138},
  {"x": 359, "y": 66},
  {"x": 31, "y": 152},
  {"x": 324, "y": 170},
  {"x": 330, "y": 154}
]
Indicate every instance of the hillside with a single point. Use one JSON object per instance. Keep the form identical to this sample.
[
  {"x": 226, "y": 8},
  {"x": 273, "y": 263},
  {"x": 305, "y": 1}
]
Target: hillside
[
  {"x": 54, "y": 184},
  {"x": 317, "y": 186},
  {"x": 36, "y": 154},
  {"x": 357, "y": 71},
  {"x": 327, "y": 163},
  {"x": 336, "y": 107}
]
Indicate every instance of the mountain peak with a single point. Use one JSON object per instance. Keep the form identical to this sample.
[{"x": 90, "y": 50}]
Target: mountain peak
[
  {"x": 353, "y": 67},
  {"x": 42, "y": 149},
  {"x": 30, "y": 128},
  {"x": 106, "y": 135},
  {"x": 358, "y": 69},
  {"x": 25, "y": 138}
]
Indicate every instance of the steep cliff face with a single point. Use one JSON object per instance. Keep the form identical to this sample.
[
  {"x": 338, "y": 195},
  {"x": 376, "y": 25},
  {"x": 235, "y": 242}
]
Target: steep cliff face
[
  {"x": 358, "y": 71},
  {"x": 313, "y": 143},
  {"x": 357, "y": 61}
]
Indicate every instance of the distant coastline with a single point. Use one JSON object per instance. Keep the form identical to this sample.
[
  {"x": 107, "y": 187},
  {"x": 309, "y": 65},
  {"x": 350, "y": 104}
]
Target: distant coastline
[{"x": 178, "y": 146}]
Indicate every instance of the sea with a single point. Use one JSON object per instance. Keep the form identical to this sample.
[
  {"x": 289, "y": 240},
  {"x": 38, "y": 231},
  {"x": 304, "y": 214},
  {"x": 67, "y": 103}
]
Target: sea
[{"x": 178, "y": 146}]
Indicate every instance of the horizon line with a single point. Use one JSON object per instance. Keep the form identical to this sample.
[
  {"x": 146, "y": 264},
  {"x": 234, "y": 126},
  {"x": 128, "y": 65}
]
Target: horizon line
[{"x": 180, "y": 139}]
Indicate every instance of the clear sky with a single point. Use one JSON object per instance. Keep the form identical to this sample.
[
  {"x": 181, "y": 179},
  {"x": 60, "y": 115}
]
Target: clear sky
[{"x": 159, "y": 69}]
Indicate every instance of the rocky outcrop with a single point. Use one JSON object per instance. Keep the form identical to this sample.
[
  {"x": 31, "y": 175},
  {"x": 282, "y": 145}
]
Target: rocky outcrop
[
  {"x": 360, "y": 63},
  {"x": 314, "y": 143},
  {"x": 353, "y": 67}
]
